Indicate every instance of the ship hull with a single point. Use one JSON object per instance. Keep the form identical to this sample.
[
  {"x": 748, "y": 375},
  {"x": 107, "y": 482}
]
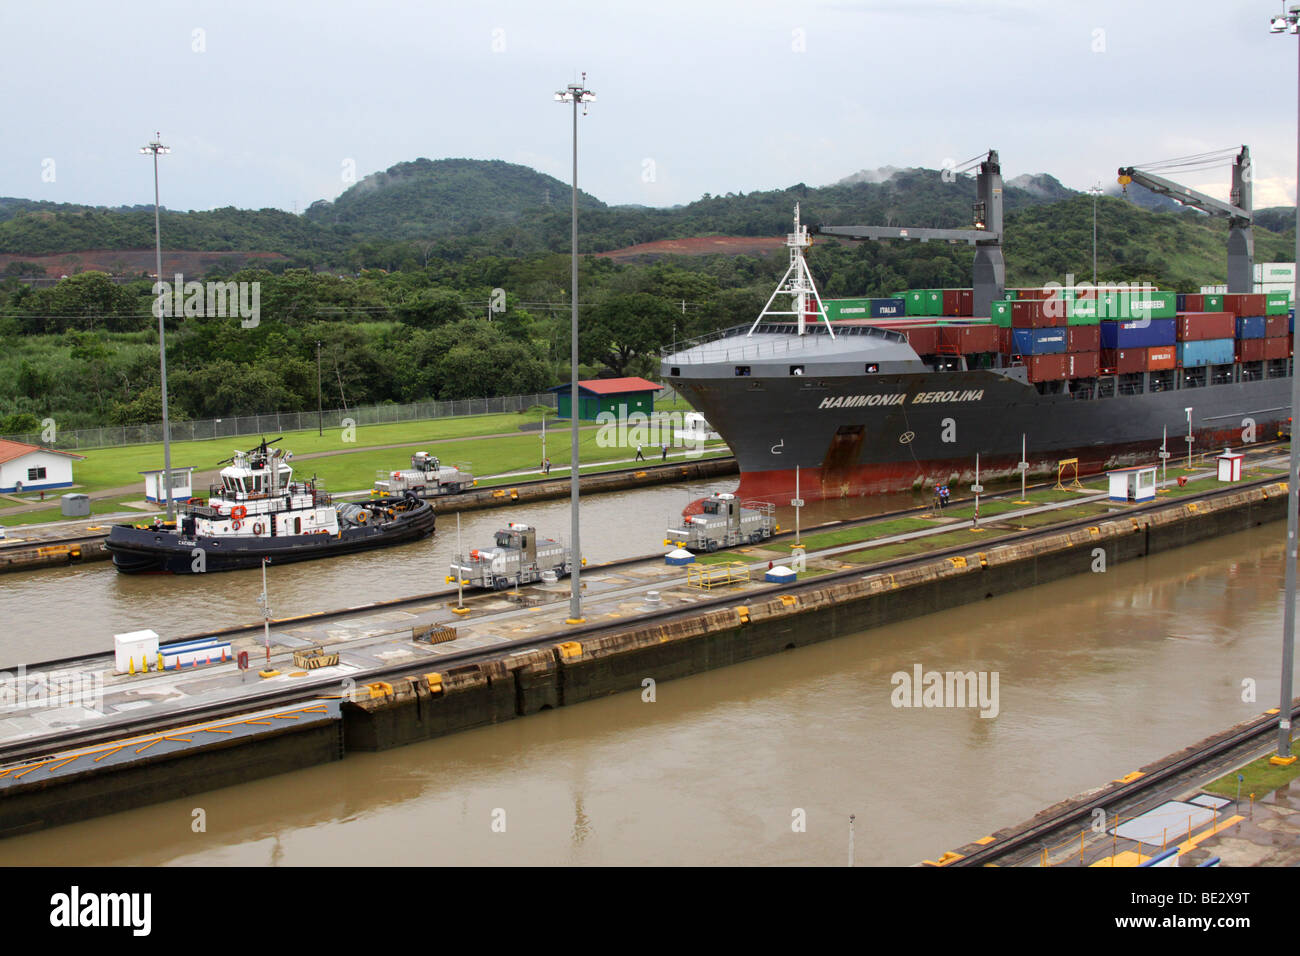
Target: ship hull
[
  {"x": 154, "y": 551},
  {"x": 859, "y": 435}
]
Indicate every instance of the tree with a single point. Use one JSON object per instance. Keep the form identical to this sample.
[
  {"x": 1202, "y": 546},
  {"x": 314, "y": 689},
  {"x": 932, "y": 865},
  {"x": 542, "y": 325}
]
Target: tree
[{"x": 625, "y": 327}]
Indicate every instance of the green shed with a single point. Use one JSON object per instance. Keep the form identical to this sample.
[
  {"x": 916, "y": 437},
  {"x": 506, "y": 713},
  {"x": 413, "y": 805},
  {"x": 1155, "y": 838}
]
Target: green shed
[{"x": 621, "y": 396}]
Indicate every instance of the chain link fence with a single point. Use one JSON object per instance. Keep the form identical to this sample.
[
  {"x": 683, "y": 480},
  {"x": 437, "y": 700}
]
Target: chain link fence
[{"x": 280, "y": 422}]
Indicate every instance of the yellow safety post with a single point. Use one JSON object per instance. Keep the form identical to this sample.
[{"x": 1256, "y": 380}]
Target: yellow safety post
[{"x": 132, "y": 666}]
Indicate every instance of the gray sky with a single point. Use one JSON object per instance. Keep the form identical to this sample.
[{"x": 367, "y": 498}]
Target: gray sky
[{"x": 271, "y": 103}]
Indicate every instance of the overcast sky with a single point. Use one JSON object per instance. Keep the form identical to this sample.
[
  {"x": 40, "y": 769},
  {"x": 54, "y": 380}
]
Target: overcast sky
[{"x": 275, "y": 103}]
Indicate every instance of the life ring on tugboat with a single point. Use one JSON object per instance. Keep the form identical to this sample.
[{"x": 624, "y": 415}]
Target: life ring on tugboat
[
  {"x": 257, "y": 528},
  {"x": 237, "y": 525},
  {"x": 238, "y": 512}
]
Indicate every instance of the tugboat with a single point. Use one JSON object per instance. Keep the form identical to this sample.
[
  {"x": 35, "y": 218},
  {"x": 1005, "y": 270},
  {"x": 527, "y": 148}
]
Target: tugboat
[{"x": 258, "y": 511}]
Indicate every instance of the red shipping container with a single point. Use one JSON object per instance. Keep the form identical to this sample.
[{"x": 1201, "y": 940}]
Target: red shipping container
[
  {"x": 1194, "y": 302},
  {"x": 1038, "y": 314},
  {"x": 1250, "y": 350},
  {"x": 1123, "y": 361},
  {"x": 1082, "y": 364},
  {"x": 1275, "y": 327},
  {"x": 951, "y": 302},
  {"x": 1083, "y": 338},
  {"x": 1006, "y": 342},
  {"x": 967, "y": 301},
  {"x": 1045, "y": 368},
  {"x": 1200, "y": 326},
  {"x": 1033, "y": 294},
  {"x": 969, "y": 339},
  {"x": 1277, "y": 348},
  {"x": 923, "y": 339},
  {"x": 1161, "y": 357},
  {"x": 1240, "y": 304}
]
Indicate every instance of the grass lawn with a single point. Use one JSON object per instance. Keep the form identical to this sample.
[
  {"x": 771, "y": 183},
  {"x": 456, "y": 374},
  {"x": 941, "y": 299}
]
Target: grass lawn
[
  {"x": 881, "y": 529},
  {"x": 98, "y": 506},
  {"x": 1261, "y": 777},
  {"x": 1061, "y": 514}
]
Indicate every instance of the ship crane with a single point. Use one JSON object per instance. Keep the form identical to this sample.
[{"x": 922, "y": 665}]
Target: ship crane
[
  {"x": 1238, "y": 210},
  {"x": 989, "y": 269}
]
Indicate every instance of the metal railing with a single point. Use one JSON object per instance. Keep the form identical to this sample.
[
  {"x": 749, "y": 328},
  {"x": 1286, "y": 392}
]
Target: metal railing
[
  {"x": 791, "y": 341},
  {"x": 279, "y": 422}
]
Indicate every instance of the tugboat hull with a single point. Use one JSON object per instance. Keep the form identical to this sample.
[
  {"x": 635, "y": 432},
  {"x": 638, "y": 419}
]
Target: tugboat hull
[{"x": 167, "y": 551}]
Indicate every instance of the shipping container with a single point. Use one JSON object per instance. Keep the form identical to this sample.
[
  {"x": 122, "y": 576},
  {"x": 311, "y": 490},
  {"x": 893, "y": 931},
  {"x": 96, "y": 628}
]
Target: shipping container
[
  {"x": 1243, "y": 304},
  {"x": 1277, "y": 303},
  {"x": 1006, "y": 340},
  {"x": 924, "y": 339},
  {"x": 1181, "y": 302},
  {"x": 1083, "y": 338},
  {"x": 933, "y": 302},
  {"x": 1213, "y": 302},
  {"x": 1199, "y": 326},
  {"x": 967, "y": 302},
  {"x": 837, "y": 309},
  {"x": 1161, "y": 358},
  {"x": 1082, "y": 312},
  {"x": 969, "y": 339},
  {"x": 888, "y": 308},
  {"x": 1046, "y": 368},
  {"x": 1136, "y": 304},
  {"x": 952, "y": 302},
  {"x": 1082, "y": 364},
  {"x": 915, "y": 302},
  {"x": 1277, "y": 348},
  {"x": 1192, "y": 302},
  {"x": 1205, "y": 352},
  {"x": 1275, "y": 326},
  {"x": 1127, "y": 361},
  {"x": 1250, "y": 327},
  {"x": 1038, "y": 341},
  {"x": 1250, "y": 350},
  {"x": 1038, "y": 314},
  {"x": 1001, "y": 313},
  {"x": 1139, "y": 333}
]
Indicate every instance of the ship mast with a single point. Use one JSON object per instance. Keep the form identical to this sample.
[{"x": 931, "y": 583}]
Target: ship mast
[{"x": 796, "y": 283}]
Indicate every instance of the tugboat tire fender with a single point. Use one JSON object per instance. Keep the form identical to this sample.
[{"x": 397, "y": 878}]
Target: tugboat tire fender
[
  {"x": 237, "y": 525},
  {"x": 257, "y": 528},
  {"x": 238, "y": 512}
]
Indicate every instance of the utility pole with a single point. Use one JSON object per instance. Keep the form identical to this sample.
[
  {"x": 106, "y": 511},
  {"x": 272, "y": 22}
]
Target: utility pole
[
  {"x": 1290, "y": 23},
  {"x": 575, "y": 93},
  {"x": 320, "y": 413},
  {"x": 154, "y": 149},
  {"x": 1096, "y": 191}
]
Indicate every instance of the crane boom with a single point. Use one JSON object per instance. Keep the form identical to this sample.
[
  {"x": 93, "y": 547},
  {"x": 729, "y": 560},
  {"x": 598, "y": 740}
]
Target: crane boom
[{"x": 1239, "y": 212}]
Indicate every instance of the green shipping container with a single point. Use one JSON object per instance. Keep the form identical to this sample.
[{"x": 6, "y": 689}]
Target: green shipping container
[
  {"x": 1214, "y": 302},
  {"x": 1001, "y": 313},
  {"x": 1011, "y": 295},
  {"x": 915, "y": 302},
  {"x": 847, "y": 308},
  {"x": 933, "y": 302},
  {"x": 1082, "y": 312},
  {"x": 1137, "y": 305},
  {"x": 1278, "y": 303}
]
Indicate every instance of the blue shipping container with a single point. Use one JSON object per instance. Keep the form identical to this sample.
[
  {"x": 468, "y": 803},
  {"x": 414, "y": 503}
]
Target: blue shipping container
[
  {"x": 1038, "y": 341},
  {"x": 1251, "y": 326},
  {"x": 1207, "y": 352},
  {"x": 1138, "y": 333},
  {"x": 1180, "y": 302},
  {"x": 883, "y": 308}
]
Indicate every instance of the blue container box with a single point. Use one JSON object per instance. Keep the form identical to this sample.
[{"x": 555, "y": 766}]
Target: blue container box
[
  {"x": 1180, "y": 302},
  {"x": 1039, "y": 341},
  {"x": 1138, "y": 333},
  {"x": 1250, "y": 326},
  {"x": 888, "y": 308},
  {"x": 1206, "y": 352}
]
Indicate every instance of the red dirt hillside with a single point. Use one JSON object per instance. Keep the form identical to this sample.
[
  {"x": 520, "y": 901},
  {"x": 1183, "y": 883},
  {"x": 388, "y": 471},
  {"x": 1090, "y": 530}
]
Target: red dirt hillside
[{"x": 701, "y": 246}]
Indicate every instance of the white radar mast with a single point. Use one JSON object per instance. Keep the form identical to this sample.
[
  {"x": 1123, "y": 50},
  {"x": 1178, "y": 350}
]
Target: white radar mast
[{"x": 796, "y": 283}]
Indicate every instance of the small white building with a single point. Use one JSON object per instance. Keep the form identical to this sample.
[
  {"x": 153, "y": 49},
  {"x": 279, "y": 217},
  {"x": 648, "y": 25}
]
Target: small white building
[
  {"x": 182, "y": 484},
  {"x": 1133, "y": 484},
  {"x": 33, "y": 468},
  {"x": 1230, "y": 465}
]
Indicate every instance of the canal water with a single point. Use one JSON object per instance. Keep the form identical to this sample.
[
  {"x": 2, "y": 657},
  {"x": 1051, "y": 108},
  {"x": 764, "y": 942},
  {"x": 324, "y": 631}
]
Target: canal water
[{"x": 763, "y": 763}]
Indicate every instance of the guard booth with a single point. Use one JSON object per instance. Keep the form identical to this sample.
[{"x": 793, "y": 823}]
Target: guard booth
[
  {"x": 1230, "y": 465},
  {"x": 182, "y": 487},
  {"x": 1133, "y": 484}
]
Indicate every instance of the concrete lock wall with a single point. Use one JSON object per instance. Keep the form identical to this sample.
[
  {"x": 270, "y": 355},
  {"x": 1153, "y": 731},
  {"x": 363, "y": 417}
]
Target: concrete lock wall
[
  {"x": 59, "y": 800},
  {"x": 475, "y": 695}
]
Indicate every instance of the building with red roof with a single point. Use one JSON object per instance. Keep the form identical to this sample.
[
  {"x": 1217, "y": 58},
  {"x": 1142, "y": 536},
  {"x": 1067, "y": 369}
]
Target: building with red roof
[
  {"x": 33, "y": 468},
  {"x": 617, "y": 396}
]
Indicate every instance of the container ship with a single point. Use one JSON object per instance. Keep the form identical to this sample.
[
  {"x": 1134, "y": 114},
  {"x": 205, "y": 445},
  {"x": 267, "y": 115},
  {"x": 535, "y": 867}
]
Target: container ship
[{"x": 858, "y": 397}]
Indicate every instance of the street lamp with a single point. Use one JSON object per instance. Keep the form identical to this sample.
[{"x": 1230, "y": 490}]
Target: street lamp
[
  {"x": 1290, "y": 23},
  {"x": 155, "y": 148},
  {"x": 575, "y": 93},
  {"x": 1095, "y": 191}
]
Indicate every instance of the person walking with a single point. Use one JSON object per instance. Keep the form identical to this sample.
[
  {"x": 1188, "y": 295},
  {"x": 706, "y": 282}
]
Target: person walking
[
  {"x": 639, "y": 456},
  {"x": 665, "y": 458}
]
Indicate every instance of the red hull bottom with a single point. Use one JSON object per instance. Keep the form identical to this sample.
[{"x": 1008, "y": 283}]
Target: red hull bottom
[{"x": 818, "y": 484}]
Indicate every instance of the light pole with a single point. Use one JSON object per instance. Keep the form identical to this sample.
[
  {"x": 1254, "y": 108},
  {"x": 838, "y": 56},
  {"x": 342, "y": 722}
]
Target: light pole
[
  {"x": 1290, "y": 23},
  {"x": 1189, "y": 439},
  {"x": 575, "y": 93},
  {"x": 155, "y": 148},
  {"x": 1095, "y": 191}
]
